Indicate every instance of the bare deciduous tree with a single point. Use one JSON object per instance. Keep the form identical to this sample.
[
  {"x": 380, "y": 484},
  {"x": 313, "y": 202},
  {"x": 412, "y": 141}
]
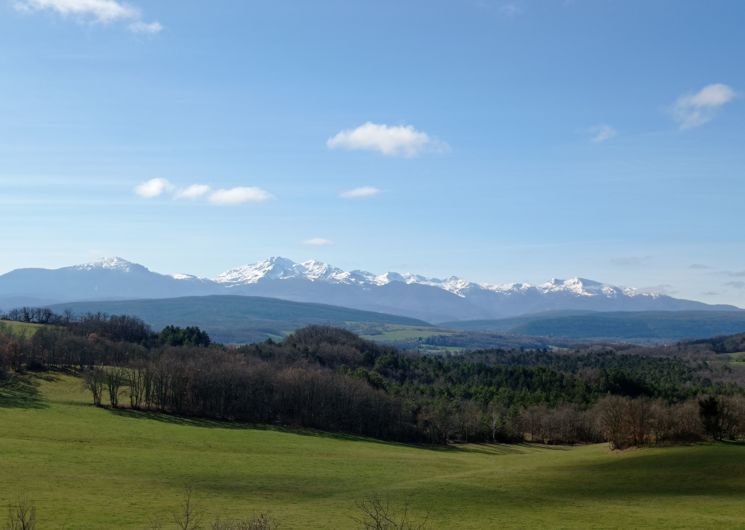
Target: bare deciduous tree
[
  {"x": 114, "y": 378},
  {"x": 612, "y": 419},
  {"x": 379, "y": 514},
  {"x": 21, "y": 515},
  {"x": 94, "y": 381},
  {"x": 136, "y": 378},
  {"x": 187, "y": 518}
]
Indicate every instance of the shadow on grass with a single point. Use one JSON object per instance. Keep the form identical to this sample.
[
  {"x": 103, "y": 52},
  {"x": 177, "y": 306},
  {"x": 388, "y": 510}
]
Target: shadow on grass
[
  {"x": 508, "y": 449},
  {"x": 304, "y": 431},
  {"x": 20, "y": 392},
  {"x": 716, "y": 470},
  {"x": 178, "y": 420}
]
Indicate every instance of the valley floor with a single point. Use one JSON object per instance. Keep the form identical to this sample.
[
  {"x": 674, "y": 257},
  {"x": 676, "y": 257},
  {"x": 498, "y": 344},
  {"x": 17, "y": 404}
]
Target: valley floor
[{"x": 89, "y": 468}]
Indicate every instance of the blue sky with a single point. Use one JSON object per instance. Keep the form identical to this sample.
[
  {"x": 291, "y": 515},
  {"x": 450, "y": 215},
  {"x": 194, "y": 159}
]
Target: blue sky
[{"x": 499, "y": 141}]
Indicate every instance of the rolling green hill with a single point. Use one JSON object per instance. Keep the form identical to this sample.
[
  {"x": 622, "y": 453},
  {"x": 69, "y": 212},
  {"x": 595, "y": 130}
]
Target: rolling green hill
[
  {"x": 643, "y": 326},
  {"x": 20, "y": 328},
  {"x": 92, "y": 468},
  {"x": 241, "y": 319}
]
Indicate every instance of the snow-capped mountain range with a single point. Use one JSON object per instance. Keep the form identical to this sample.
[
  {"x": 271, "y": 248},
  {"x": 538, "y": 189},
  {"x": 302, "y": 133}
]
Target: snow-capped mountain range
[
  {"x": 283, "y": 269},
  {"x": 430, "y": 299}
]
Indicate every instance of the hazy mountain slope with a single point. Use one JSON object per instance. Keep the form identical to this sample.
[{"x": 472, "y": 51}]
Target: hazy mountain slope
[
  {"x": 626, "y": 325},
  {"x": 419, "y": 301},
  {"x": 112, "y": 278},
  {"x": 237, "y": 318}
]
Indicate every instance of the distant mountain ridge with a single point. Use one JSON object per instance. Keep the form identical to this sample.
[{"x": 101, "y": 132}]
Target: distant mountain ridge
[
  {"x": 406, "y": 294},
  {"x": 626, "y": 326},
  {"x": 239, "y": 319}
]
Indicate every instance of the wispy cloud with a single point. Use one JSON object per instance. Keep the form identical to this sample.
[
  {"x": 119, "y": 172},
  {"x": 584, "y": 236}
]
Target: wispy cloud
[
  {"x": 98, "y": 11},
  {"x": 360, "y": 193},
  {"x": 318, "y": 242},
  {"x": 631, "y": 261},
  {"x": 194, "y": 191},
  {"x": 735, "y": 285},
  {"x": 153, "y": 188},
  {"x": 148, "y": 28},
  {"x": 699, "y": 267},
  {"x": 510, "y": 9},
  {"x": 602, "y": 133},
  {"x": 239, "y": 195},
  {"x": 390, "y": 140},
  {"x": 157, "y": 187},
  {"x": 663, "y": 289},
  {"x": 694, "y": 110}
]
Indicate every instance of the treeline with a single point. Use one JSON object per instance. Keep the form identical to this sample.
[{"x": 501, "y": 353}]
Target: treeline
[
  {"x": 85, "y": 340},
  {"x": 223, "y": 385},
  {"x": 330, "y": 379}
]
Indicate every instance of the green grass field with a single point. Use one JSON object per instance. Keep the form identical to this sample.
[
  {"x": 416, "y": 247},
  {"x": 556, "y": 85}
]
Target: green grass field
[
  {"x": 738, "y": 357},
  {"x": 20, "y": 328},
  {"x": 89, "y": 468}
]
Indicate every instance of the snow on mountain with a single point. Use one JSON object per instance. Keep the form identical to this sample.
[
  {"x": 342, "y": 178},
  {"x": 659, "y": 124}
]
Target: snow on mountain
[
  {"x": 407, "y": 294},
  {"x": 277, "y": 268},
  {"x": 179, "y": 276},
  {"x": 506, "y": 288},
  {"x": 115, "y": 264}
]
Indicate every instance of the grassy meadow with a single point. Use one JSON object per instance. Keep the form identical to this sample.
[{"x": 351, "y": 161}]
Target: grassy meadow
[
  {"x": 89, "y": 468},
  {"x": 20, "y": 328}
]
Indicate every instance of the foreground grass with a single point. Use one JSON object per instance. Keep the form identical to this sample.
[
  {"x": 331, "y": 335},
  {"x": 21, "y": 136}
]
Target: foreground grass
[{"x": 89, "y": 468}]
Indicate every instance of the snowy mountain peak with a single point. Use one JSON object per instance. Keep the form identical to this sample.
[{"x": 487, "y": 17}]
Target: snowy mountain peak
[
  {"x": 278, "y": 268},
  {"x": 390, "y": 277},
  {"x": 114, "y": 263},
  {"x": 580, "y": 287},
  {"x": 320, "y": 271}
]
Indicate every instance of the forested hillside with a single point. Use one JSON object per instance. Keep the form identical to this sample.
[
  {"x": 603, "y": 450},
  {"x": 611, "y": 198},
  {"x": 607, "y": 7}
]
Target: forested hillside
[{"x": 330, "y": 379}]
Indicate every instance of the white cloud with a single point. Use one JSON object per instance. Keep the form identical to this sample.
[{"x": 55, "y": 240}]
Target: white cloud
[
  {"x": 226, "y": 196},
  {"x": 153, "y": 188},
  {"x": 149, "y": 28},
  {"x": 602, "y": 133},
  {"x": 99, "y": 11},
  {"x": 318, "y": 242},
  {"x": 359, "y": 193},
  {"x": 239, "y": 195},
  {"x": 693, "y": 110},
  {"x": 194, "y": 191},
  {"x": 391, "y": 140}
]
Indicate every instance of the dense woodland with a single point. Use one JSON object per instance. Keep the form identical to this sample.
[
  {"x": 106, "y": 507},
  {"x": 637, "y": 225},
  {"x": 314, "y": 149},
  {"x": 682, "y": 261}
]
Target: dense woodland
[{"x": 332, "y": 380}]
